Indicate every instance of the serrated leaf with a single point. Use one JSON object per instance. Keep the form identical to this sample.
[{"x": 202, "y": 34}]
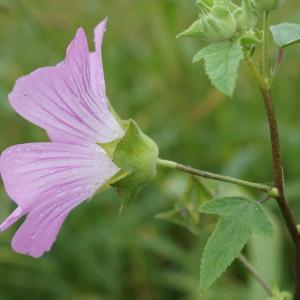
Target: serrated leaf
[
  {"x": 239, "y": 219},
  {"x": 222, "y": 61},
  {"x": 224, "y": 206},
  {"x": 285, "y": 34},
  {"x": 224, "y": 245}
]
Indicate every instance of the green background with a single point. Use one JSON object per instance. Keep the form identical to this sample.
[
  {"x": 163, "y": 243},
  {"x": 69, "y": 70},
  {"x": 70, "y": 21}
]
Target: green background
[{"x": 101, "y": 254}]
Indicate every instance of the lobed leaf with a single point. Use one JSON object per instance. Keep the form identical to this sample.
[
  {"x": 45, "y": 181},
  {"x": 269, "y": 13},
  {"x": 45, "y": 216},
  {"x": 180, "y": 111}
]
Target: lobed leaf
[
  {"x": 222, "y": 61},
  {"x": 285, "y": 34},
  {"x": 239, "y": 219}
]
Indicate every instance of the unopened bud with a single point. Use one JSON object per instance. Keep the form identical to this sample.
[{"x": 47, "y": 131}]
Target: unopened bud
[
  {"x": 267, "y": 5},
  {"x": 219, "y": 25},
  {"x": 246, "y": 16}
]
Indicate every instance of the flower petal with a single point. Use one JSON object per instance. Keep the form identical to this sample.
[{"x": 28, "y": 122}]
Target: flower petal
[
  {"x": 68, "y": 100},
  {"x": 38, "y": 232},
  {"x": 97, "y": 77},
  {"x": 47, "y": 180}
]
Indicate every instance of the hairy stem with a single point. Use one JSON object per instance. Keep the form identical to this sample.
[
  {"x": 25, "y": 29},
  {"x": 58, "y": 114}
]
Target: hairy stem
[
  {"x": 264, "y": 86},
  {"x": 279, "y": 184},
  {"x": 250, "y": 268},
  {"x": 265, "y": 58},
  {"x": 261, "y": 187}
]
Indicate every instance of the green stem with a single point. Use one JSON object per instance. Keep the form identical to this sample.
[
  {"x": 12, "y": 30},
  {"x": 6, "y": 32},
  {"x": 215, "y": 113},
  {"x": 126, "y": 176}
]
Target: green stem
[
  {"x": 261, "y": 187},
  {"x": 248, "y": 266},
  {"x": 265, "y": 59}
]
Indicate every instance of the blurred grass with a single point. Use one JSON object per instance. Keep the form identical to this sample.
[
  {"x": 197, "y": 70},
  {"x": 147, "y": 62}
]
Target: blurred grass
[{"x": 103, "y": 255}]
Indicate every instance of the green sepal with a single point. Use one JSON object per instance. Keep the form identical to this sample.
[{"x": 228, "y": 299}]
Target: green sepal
[
  {"x": 195, "y": 30},
  {"x": 136, "y": 154},
  {"x": 119, "y": 176},
  {"x": 110, "y": 147},
  {"x": 251, "y": 38}
]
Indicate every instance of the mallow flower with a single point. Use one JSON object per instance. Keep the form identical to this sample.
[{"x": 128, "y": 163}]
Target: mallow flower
[{"x": 89, "y": 148}]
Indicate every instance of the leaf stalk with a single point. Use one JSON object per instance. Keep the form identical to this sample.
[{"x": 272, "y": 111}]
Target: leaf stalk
[{"x": 201, "y": 173}]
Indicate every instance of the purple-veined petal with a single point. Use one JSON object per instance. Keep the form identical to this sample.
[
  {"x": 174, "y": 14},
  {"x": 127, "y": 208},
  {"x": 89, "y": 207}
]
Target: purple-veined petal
[
  {"x": 47, "y": 180},
  {"x": 97, "y": 77},
  {"x": 68, "y": 100}
]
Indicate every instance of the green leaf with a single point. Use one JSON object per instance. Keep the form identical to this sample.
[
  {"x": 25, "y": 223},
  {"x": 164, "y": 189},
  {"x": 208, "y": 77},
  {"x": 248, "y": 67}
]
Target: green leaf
[
  {"x": 239, "y": 219},
  {"x": 285, "y": 34},
  {"x": 184, "y": 217},
  {"x": 195, "y": 194},
  {"x": 186, "y": 210},
  {"x": 222, "y": 61}
]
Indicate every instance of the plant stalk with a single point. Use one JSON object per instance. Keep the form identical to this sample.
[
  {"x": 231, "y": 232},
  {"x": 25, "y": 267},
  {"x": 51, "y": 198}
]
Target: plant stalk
[
  {"x": 266, "y": 41},
  {"x": 264, "y": 86},
  {"x": 279, "y": 184},
  {"x": 261, "y": 187},
  {"x": 248, "y": 266}
]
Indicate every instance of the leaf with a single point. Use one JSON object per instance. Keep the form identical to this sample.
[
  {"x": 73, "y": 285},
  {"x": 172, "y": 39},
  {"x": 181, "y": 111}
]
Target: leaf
[
  {"x": 186, "y": 210},
  {"x": 195, "y": 194},
  {"x": 222, "y": 61},
  {"x": 285, "y": 34},
  {"x": 183, "y": 217},
  {"x": 239, "y": 219}
]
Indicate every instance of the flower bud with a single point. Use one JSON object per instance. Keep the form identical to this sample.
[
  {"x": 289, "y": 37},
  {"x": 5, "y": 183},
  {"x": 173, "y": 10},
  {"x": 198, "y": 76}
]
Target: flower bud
[
  {"x": 246, "y": 20},
  {"x": 216, "y": 24},
  {"x": 267, "y": 5},
  {"x": 219, "y": 25}
]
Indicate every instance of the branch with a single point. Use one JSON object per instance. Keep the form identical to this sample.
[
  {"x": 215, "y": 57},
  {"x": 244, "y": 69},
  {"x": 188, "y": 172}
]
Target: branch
[
  {"x": 264, "y": 86},
  {"x": 250, "y": 268},
  {"x": 261, "y": 187}
]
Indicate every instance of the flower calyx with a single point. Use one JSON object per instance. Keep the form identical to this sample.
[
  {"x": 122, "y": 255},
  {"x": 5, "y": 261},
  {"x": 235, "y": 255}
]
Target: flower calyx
[{"x": 136, "y": 156}]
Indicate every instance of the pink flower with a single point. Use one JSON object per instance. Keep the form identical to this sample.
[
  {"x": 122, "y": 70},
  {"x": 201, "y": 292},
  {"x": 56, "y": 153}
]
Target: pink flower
[{"x": 47, "y": 180}]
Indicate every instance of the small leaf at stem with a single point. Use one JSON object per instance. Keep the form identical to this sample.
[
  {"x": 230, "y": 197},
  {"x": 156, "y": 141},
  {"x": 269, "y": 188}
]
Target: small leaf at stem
[
  {"x": 222, "y": 61},
  {"x": 285, "y": 34},
  {"x": 186, "y": 210},
  {"x": 239, "y": 219}
]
